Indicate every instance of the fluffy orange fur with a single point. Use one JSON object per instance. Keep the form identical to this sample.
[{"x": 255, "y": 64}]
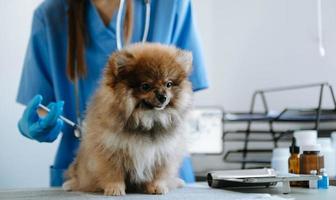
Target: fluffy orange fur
[{"x": 133, "y": 135}]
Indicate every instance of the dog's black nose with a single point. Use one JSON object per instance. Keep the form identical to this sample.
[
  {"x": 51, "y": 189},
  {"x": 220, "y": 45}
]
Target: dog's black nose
[{"x": 161, "y": 97}]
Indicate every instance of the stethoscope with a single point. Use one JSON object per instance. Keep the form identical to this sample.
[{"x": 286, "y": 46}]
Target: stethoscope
[
  {"x": 78, "y": 127},
  {"x": 118, "y": 29}
]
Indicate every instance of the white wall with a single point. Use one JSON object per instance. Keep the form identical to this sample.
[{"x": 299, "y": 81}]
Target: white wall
[
  {"x": 23, "y": 163},
  {"x": 248, "y": 44},
  {"x": 251, "y": 44}
]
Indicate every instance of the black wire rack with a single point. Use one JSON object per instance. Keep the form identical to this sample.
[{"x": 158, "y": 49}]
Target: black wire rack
[{"x": 315, "y": 115}]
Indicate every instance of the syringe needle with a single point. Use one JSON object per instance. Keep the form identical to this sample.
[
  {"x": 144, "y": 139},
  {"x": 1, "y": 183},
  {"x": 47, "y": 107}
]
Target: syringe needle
[{"x": 66, "y": 120}]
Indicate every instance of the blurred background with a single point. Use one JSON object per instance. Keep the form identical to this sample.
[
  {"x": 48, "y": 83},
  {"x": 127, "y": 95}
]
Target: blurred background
[{"x": 248, "y": 45}]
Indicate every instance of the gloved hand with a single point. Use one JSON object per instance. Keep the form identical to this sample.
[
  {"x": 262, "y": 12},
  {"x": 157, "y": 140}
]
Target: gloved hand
[{"x": 42, "y": 129}]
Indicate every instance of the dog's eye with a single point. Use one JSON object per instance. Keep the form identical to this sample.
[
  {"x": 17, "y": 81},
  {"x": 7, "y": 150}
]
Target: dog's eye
[
  {"x": 169, "y": 84},
  {"x": 145, "y": 87}
]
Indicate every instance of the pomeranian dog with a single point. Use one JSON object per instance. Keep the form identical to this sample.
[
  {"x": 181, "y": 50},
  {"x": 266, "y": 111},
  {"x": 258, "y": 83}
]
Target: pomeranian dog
[{"x": 133, "y": 138}]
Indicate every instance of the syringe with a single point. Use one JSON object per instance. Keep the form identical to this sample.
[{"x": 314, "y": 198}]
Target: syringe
[{"x": 77, "y": 128}]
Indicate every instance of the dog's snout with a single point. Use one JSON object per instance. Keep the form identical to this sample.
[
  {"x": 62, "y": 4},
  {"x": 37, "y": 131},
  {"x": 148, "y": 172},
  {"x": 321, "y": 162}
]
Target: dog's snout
[{"x": 161, "y": 97}]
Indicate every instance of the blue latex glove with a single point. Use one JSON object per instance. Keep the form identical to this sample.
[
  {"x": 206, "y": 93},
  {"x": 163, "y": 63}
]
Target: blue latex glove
[{"x": 42, "y": 129}]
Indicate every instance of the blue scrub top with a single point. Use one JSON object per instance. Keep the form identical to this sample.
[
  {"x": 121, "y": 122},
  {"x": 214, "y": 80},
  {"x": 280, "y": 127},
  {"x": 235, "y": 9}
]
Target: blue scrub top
[{"x": 44, "y": 69}]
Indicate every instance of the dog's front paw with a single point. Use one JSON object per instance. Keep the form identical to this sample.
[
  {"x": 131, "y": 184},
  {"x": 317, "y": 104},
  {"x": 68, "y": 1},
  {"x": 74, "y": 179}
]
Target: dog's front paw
[
  {"x": 70, "y": 185},
  {"x": 176, "y": 183},
  {"x": 114, "y": 189},
  {"x": 156, "y": 188}
]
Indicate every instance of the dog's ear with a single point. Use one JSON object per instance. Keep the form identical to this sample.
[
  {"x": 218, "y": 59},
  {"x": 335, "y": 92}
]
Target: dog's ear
[
  {"x": 184, "y": 58},
  {"x": 119, "y": 62}
]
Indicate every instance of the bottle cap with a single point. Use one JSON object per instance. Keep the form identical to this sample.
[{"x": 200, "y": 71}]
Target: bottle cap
[
  {"x": 305, "y": 137},
  {"x": 293, "y": 148},
  {"x": 324, "y": 142},
  {"x": 278, "y": 153},
  {"x": 333, "y": 137},
  {"x": 315, "y": 147}
]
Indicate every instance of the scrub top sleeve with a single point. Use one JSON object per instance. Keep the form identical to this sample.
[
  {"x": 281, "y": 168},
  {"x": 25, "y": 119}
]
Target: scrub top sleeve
[
  {"x": 35, "y": 76},
  {"x": 185, "y": 37}
]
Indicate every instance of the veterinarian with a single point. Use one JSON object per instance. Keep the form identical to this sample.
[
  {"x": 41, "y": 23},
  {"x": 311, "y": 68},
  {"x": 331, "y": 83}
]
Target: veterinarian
[{"x": 69, "y": 45}]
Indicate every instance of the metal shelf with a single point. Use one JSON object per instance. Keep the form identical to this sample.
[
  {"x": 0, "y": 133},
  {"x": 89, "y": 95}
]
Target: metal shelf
[
  {"x": 257, "y": 156},
  {"x": 294, "y": 116},
  {"x": 287, "y": 115}
]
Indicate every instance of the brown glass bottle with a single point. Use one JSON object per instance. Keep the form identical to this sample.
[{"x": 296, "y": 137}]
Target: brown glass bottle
[
  {"x": 311, "y": 159},
  {"x": 294, "y": 161}
]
